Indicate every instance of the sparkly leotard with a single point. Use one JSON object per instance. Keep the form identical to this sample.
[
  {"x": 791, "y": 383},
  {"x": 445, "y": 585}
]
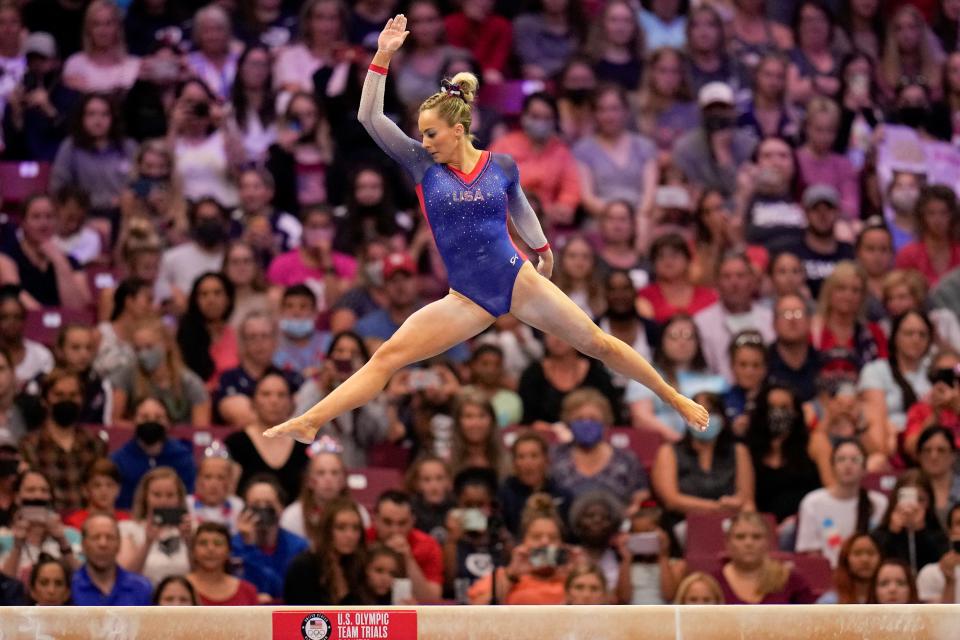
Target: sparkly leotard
[{"x": 467, "y": 214}]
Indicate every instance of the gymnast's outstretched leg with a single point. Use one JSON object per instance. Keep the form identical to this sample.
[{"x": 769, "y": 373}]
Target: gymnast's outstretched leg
[
  {"x": 539, "y": 303},
  {"x": 428, "y": 332}
]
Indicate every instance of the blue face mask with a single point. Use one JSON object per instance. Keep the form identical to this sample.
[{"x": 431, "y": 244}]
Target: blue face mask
[
  {"x": 297, "y": 328},
  {"x": 713, "y": 429},
  {"x": 587, "y": 433}
]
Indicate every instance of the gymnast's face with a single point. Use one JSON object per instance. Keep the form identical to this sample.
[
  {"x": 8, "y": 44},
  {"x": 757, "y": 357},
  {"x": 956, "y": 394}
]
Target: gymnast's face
[{"x": 440, "y": 139}]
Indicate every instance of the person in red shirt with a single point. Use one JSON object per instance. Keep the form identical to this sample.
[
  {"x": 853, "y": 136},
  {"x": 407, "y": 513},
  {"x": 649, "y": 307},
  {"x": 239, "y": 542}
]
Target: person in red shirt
[
  {"x": 840, "y": 321},
  {"x": 937, "y": 248},
  {"x": 487, "y": 36},
  {"x": 941, "y": 407},
  {"x": 101, "y": 486},
  {"x": 672, "y": 292},
  {"x": 393, "y": 526},
  {"x": 210, "y": 556}
]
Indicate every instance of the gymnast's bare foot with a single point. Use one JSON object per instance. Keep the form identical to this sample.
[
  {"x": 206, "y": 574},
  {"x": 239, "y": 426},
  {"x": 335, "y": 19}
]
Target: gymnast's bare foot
[
  {"x": 296, "y": 428},
  {"x": 693, "y": 413}
]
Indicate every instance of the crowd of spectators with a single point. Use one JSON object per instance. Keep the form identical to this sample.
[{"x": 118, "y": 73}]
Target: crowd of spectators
[{"x": 199, "y": 240}]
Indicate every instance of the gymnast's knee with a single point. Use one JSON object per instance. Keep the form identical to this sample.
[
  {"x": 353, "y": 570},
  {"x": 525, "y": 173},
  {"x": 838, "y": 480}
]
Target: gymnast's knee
[
  {"x": 597, "y": 345},
  {"x": 389, "y": 358}
]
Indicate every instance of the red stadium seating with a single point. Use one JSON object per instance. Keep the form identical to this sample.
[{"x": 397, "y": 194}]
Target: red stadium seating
[
  {"x": 388, "y": 455},
  {"x": 20, "y": 180},
  {"x": 816, "y": 569},
  {"x": 882, "y": 482},
  {"x": 44, "y": 325},
  {"x": 644, "y": 444},
  {"x": 367, "y": 483}
]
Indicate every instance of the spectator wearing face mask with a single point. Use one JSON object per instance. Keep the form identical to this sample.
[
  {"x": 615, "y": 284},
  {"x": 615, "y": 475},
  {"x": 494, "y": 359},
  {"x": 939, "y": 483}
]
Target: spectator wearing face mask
[
  {"x": 302, "y": 347},
  {"x": 181, "y": 265},
  {"x": 315, "y": 262},
  {"x": 75, "y": 350},
  {"x": 547, "y": 167},
  {"x": 710, "y": 154},
  {"x": 60, "y": 449},
  {"x": 151, "y": 447}
]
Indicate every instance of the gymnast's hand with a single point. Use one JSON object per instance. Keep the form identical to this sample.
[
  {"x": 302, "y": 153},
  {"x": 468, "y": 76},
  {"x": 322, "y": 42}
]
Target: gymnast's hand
[
  {"x": 545, "y": 266},
  {"x": 393, "y": 34},
  {"x": 694, "y": 414},
  {"x": 297, "y": 428}
]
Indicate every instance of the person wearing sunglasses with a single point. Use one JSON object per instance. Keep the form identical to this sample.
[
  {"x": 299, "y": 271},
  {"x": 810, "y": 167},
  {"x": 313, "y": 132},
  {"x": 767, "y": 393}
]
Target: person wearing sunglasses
[{"x": 941, "y": 407}]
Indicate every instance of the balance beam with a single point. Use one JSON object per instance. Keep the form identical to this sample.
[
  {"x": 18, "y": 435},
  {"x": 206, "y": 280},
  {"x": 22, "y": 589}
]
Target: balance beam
[{"x": 773, "y": 622}]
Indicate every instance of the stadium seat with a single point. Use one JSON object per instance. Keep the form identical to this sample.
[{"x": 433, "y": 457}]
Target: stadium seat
[
  {"x": 388, "y": 455},
  {"x": 44, "y": 325},
  {"x": 816, "y": 570},
  {"x": 367, "y": 483},
  {"x": 880, "y": 481},
  {"x": 506, "y": 97},
  {"x": 644, "y": 444},
  {"x": 20, "y": 180},
  {"x": 706, "y": 533}
]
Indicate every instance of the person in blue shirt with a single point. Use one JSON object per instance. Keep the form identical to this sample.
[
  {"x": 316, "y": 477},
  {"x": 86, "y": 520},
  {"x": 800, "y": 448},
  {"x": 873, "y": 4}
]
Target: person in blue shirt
[
  {"x": 265, "y": 549},
  {"x": 150, "y": 448},
  {"x": 468, "y": 197},
  {"x": 101, "y": 581}
]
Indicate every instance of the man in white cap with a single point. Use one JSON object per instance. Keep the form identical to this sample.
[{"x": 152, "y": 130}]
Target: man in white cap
[
  {"x": 710, "y": 154},
  {"x": 818, "y": 248}
]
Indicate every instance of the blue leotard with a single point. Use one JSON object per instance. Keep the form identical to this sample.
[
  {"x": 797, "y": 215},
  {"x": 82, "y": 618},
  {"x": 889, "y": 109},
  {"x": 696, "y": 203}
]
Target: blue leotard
[{"x": 467, "y": 214}]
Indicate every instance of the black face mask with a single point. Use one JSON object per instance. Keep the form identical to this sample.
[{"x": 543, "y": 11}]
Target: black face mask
[
  {"x": 718, "y": 122},
  {"x": 150, "y": 433},
  {"x": 65, "y": 413},
  {"x": 626, "y": 314},
  {"x": 210, "y": 233},
  {"x": 578, "y": 96},
  {"x": 913, "y": 117}
]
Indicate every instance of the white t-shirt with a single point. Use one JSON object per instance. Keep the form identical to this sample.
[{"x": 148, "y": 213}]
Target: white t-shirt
[
  {"x": 83, "y": 246},
  {"x": 292, "y": 519},
  {"x": 181, "y": 265},
  {"x": 160, "y": 563},
  {"x": 225, "y": 514},
  {"x": 205, "y": 170},
  {"x": 825, "y": 521},
  {"x": 295, "y": 65},
  {"x": 37, "y": 359},
  {"x": 95, "y": 78},
  {"x": 930, "y": 584}
]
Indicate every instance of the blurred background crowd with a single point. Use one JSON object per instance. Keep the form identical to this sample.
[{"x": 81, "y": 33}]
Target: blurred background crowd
[{"x": 198, "y": 240}]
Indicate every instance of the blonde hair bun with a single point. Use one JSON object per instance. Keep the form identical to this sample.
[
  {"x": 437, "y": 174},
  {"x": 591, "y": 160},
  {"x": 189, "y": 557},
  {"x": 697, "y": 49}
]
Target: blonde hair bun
[{"x": 468, "y": 84}]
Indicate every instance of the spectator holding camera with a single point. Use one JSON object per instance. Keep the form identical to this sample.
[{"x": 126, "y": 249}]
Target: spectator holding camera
[
  {"x": 538, "y": 566},
  {"x": 910, "y": 530},
  {"x": 156, "y": 541},
  {"x": 941, "y": 407},
  {"x": 207, "y": 152},
  {"x": 36, "y": 527},
  {"x": 266, "y": 549},
  {"x": 470, "y": 544},
  {"x": 648, "y": 575},
  {"x": 102, "y": 580},
  {"x": 155, "y": 194},
  {"x": 332, "y": 573},
  {"x": 210, "y": 577}
]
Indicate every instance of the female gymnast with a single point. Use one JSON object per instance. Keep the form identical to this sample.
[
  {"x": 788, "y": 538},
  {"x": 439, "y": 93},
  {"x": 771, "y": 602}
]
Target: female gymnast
[{"x": 466, "y": 195}]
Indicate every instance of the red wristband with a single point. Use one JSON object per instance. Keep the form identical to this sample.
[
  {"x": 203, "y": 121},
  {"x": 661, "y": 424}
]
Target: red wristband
[
  {"x": 378, "y": 69},
  {"x": 544, "y": 248}
]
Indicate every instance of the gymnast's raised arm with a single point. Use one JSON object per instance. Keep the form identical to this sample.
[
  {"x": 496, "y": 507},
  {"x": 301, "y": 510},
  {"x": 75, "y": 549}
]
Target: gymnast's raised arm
[{"x": 388, "y": 136}]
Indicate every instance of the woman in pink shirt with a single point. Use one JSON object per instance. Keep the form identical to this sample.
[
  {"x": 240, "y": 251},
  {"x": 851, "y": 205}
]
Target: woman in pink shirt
[
  {"x": 327, "y": 272},
  {"x": 547, "y": 167},
  {"x": 819, "y": 164},
  {"x": 937, "y": 249}
]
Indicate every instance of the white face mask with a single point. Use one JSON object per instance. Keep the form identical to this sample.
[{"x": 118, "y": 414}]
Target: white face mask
[{"x": 904, "y": 199}]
